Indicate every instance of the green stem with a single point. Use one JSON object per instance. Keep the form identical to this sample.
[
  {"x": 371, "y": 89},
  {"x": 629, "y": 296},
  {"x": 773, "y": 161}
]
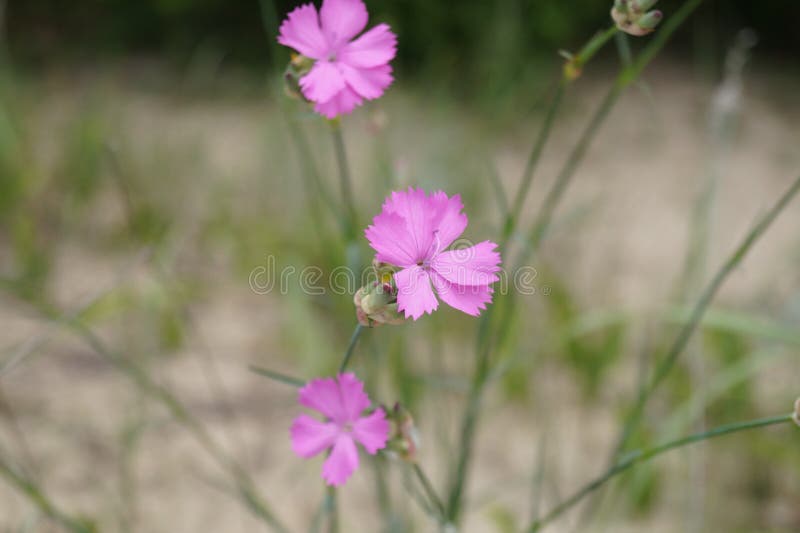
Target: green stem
[
  {"x": 527, "y": 176},
  {"x": 593, "y": 46},
  {"x": 332, "y": 510},
  {"x": 556, "y": 192},
  {"x": 351, "y": 347},
  {"x": 538, "y": 230},
  {"x": 430, "y": 492},
  {"x": 666, "y": 365},
  {"x": 578, "y": 60},
  {"x": 38, "y": 498},
  {"x": 345, "y": 182},
  {"x": 244, "y": 483},
  {"x": 644, "y": 455}
]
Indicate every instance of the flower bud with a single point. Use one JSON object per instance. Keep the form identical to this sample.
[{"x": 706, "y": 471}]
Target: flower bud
[
  {"x": 796, "y": 416},
  {"x": 404, "y": 443},
  {"x": 376, "y": 304},
  {"x": 641, "y": 6},
  {"x": 650, "y": 20},
  {"x": 632, "y": 17},
  {"x": 298, "y": 67}
]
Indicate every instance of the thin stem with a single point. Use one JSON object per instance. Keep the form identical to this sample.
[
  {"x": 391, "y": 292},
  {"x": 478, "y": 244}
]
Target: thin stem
[
  {"x": 40, "y": 500},
  {"x": 527, "y": 176},
  {"x": 277, "y": 376},
  {"x": 577, "y": 61},
  {"x": 332, "y": 509},
  {"x": 644, "y": 455},
  {"x": 593, "y": 46},
  {"x": 351, "y": 347},
  {"x": 556, "y": 192},
  {"x": 541, "y": 225},
  {"x": 345, "y": 182},
  {"x": 244, "y": 483},
  {"x": 430, "y": 492},
  {"x": 666, "y": 365}
]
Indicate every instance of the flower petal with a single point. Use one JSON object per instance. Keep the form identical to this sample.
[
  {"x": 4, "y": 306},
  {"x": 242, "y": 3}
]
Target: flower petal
[
  {"x": 469, "y": 299},
  {"x": 311, "y": 436},
  {"x": 300, "y": 30},
  {"x": 369, "y": 83},
  {"x": 342, "y": 20},
  {"x": 415, "y": 208},
  {"x": 342, "y": 461},
  {"x": 389, "y": 237},
  {"x": 323, "y": 395},
  {"x": 374, "y": 48},
  {"x": 353, "y": 398},
  {"x": 414, "y": 294},
  {"x": 449, "y": 221},
  {"x": 474, "y": 266},
  {"x": 341, "y": 104},
  {"x": 372, "y": 431},
  {"x": 323, "y": 82}
]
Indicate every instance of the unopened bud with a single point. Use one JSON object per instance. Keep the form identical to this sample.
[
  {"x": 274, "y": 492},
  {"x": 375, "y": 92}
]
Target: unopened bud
[
  {"x": 640, "y": 6},
  {"x": 796, "y": 416},
  {"x": 650, "y": 20},
  {"x": 376, "y": 304},
  {"x": 633, "y": 18},
  {"x": 404, "y": 443},
  {"x": 298, "y": 67}
]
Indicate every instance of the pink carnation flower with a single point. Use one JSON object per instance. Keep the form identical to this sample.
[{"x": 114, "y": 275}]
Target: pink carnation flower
[
  {"x": 346, "y": 71},
  {"x": 341, "y": 401},
  {"x": 412, "y": 232}
]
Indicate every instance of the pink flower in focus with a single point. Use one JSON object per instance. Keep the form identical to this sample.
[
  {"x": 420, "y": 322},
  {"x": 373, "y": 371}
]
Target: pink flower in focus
[
  {"x": 413, "y": 232},
  {"x": 346, "y": 71},
  {"x": 341, "y": 400}
]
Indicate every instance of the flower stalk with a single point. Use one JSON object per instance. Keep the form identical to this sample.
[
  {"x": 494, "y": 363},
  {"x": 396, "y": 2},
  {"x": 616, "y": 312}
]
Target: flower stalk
[{"x": 640, "y": 456}]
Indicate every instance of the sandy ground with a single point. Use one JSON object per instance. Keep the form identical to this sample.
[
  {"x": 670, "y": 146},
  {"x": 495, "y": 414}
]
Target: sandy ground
[{"x": 97, "y": 446}]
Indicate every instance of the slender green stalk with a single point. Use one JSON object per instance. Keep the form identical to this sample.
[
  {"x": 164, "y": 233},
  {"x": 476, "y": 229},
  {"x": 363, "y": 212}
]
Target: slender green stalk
[
  {"x": 345, "y": 181},
  {"x": 527, "y": 176},
  {"x": 485, "y": 336},
  {"x": 593, "y": 46},
  {"x": 244, "y": 483},
  {"x": 37, "y": 497},
  {"x": 635, "y": 416},
  {"x": 430, "y": 492},
  {"x": 332, "y": 510},
  {"x": 277, "y": 376},
  {"x": 556, "y": 192},
  {"x": 644, "y": 455},
  {"x": 351, "y": 347},
  {"x": 576, "y": 61}
]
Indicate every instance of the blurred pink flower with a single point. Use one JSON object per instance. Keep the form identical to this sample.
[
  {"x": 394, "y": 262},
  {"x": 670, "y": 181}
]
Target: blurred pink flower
[
  {"x": 412, "y": 232},
  {"x": 341, "y": 400},
  {"x": 346, "y": 71}
]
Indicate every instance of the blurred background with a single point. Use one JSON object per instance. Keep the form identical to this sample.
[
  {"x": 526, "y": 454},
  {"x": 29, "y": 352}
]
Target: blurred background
[{"x": 151, "y": 168}]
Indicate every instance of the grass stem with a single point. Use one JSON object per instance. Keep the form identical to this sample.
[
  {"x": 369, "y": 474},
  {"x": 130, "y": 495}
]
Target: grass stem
[{"x": 639, "y": 456}]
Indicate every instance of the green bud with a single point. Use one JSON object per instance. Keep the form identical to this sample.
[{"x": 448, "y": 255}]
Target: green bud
[
  {"x": 404, "y": 441},
  {"x": 621, "y": 5},
  {"x": 376, "y": 304},
  {"x": 650, "y": 20},
  {"x": 640, "y": 6}
]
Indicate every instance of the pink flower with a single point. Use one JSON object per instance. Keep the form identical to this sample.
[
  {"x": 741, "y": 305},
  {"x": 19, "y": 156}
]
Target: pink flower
[
  {"x": 346, "y": 71},
  {"x": 412, "y": 232},
  {"x": 341, "y": 400}
]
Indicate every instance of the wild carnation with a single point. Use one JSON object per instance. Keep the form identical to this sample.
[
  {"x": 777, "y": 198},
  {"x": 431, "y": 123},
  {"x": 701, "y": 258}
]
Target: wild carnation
[
  {"x": 342, "y": 401},
  {"x": 413, "y": 232},
  {"x": 346, "y": 70}
]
